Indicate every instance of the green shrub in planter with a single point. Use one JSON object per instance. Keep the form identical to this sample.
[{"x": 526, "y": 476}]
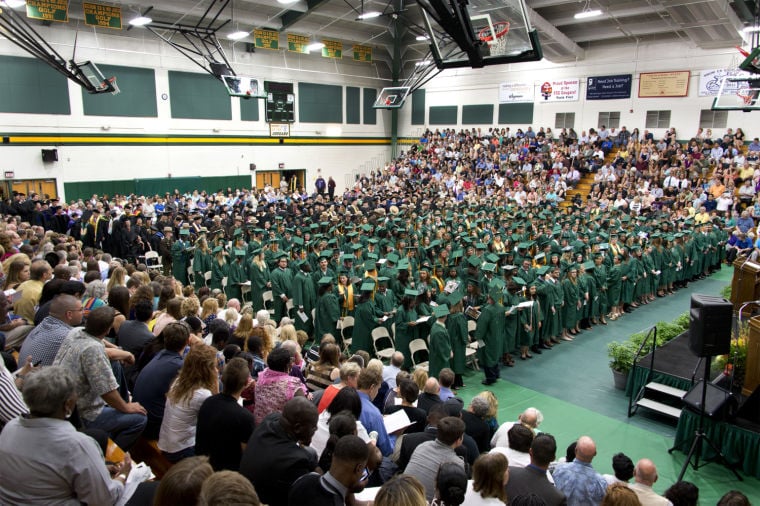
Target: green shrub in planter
[{"x": 621, "y": 355}]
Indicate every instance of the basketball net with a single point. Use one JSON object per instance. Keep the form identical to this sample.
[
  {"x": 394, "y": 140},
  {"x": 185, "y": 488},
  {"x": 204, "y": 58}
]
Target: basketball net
[{"x": 497, "y": 44}]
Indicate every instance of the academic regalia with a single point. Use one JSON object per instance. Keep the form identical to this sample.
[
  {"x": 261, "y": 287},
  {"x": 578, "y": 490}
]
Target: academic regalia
[
  {"x": 511, "y": 321},
  {"x": 179, "y": 260},
  {"x": 282, "y": 282},
  {"x": 218, "y": 272},
  {"x": 613, "y": 285},
  {"x": 236, "y": 276},
  {"x": 202, "y": 262},
  {"x": 259, "y": 278},
  {"x": 456, "y": 325},
  {"x": 366, "y": 318},
  {"x": 490, "y": 332},
  {"x": 440, "y": 349},
  {"x": 304, "y": 296},
  {"x": 572, "y": 297},
  {"x": 405, "y": 333},
  {"x": 326, "y": 316}
]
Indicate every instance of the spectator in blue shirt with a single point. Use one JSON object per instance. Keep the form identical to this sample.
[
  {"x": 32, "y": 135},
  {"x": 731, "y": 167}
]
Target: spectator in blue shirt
[
  {"x": 578, "y": 480},
  {"x": 745, "y": 223},
  {"x": 368, "y": 385}
]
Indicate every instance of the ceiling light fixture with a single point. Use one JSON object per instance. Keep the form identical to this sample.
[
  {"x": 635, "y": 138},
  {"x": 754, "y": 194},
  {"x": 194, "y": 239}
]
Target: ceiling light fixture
[
  {"x": 422, "y": 38},
  {"x": 587, "y": 12},
  {"x": 13, "y": 4},
  {"x": 286, "y": 2},
  {"x": 370, "y": 15},
  {"x": 140, "y": 21},
  {"x": 314, "y": 46},
  {"x": 238, "y": 34},
  {"x": 751, "y": 29}
]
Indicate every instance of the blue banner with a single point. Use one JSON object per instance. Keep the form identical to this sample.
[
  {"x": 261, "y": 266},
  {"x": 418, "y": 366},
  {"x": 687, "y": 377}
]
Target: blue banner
[{"x": 609, "y": 87}]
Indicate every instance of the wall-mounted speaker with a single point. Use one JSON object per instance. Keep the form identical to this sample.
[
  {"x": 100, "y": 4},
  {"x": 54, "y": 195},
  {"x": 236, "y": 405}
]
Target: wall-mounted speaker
[
  {"x": 252, "y": 167},
  {"x": 49, "y": 155}
]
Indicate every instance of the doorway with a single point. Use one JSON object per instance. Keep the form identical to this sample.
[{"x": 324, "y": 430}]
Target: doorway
[
  {"x": 296, "y": 179},
  {"x": 46, "y": 188}
]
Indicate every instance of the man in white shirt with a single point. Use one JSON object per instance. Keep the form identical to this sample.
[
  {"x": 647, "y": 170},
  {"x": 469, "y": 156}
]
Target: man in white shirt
[
  {"x": 645, "y": 475},
  {"x": 391, "y": 370}
]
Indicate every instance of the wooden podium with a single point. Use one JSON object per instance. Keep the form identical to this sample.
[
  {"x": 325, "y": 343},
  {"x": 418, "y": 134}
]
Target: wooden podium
[
  {"x": 752, "y": 374},
  {"x": 745, "y": 285}
]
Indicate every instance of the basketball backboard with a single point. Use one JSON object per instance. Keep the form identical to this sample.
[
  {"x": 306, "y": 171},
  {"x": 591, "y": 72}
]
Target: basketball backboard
[
  {"x": 738, "y": 94},
  {"x": 477, "y": 33},
  {"x": 92, "y": 74},
  {"x": 245, "y": 87},
  {"x": 391, "y": 98}
]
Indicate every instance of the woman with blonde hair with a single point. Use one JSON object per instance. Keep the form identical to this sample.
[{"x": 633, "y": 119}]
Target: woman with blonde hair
[
  {"x": 288, "y": 333},
  {"x": 118, "y": 278},
  {"x": 208, "y": 313},
  {"x": 197, "y": 380},
  {"x": 16, "y": 270},
  {"x": 420, "y": 377},
  {"x": 404, "y": 490},
  {"x": 493, "y": 410},
  {"x": 190, "y": 307},
  {"x": 243, "y": 331},
  {"x": 490, "y": 475},
  {"x": 618, "y": 494},
  {"x": 258, "y": 273}
]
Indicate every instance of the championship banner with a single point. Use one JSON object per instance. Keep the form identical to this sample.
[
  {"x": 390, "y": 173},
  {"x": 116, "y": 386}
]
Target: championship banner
[
  {"x": 104, "y": 16},
  {"x": 298, "y": 43},
  {"x": 664, "y": 84},
  {"x": 332, "y": 49},
  {"x": 516, "y": 91},
  {"x": 48, "y": 10},
  {"x": 609, "y": 87},
  {"x": 266, "y": 39},
  {"x": 560, "y": 90},
  {"x": 362, "y": 53},
  {"x": 710, "y": 81}
]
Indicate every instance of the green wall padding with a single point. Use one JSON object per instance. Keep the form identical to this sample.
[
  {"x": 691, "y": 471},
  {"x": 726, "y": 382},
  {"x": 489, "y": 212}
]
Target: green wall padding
[
  {"x": 512, "y": 114},
  {"x": 418, "y": 107},
  {"x": 30, "y": 86},
  {"x": 353, "y": 105},
  {"x": 443, "y": 115},
  {"x": 320, "y": 103},
  {"x": 370, "y": 113},
  {"x": 249, "y": 109},
  {"x": 137, "y": 97},
  {"x": 198, "y": 96},
  {"x": 479, "y": 114},
  {"x": 86, "y": 189},
  {"x": 158, "y": 186}
]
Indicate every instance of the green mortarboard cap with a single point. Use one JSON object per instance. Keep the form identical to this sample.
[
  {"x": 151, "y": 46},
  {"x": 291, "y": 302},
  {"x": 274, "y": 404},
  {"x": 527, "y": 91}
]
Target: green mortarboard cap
[
  {"x": 237, "y": 232},
  {"x": 495, "y": 292},
  {"x": 457, "y": 254},
  {"x": 509, "y": 267},
  {"x": 382, "y": 279},
  {"x": 239, "y": 252},
  {"x": 392, "y": 257},
  {"x": 572, "y": 267},
  {"x": 357, "y": 246},
  {"x": 587, "y": 266},
  {"x": 489, "y": 267},
  {"x": 480, "y": 245},
  {"x": 455, "y": 298},
  {"x": 411, "y": 293},
  {"x": 325, "y": 280},
  {"x": 519, "y": 281},
  {"x": 523, "y": 245},
  {"x": 540, "y": 256},
  {"x": 184, "y": 231},
  {"x": 325, "y": 254},
  {"x": 567, "y": 248},
  {"x": 604, "y": 246},
  {"x": 366, "y": 227},
  {"x": 492, "y": 258},
  {"x": 403, "y": 264},
  {"x": 373, "y": 256},
  {"x": 348, "y": 256},
  {"x": 543, "y": 270},
  {"x": 256, "y": 251},
  {"x": 474, "y": 261},
  {"x": 367, "y": 287},
  {"x": 369, "y": 265},
  {"x": 217, "y": 250},
  {"x": 298, "y": 241},
  {"x": 441, "y": 310},
  {"x": 373, "y": 241}
]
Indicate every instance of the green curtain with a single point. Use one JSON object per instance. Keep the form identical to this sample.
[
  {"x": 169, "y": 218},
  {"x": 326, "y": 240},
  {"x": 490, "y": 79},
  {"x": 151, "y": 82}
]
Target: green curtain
[
  {"x": 741, "y": 447},
  {"x": 638, "y": 378}
]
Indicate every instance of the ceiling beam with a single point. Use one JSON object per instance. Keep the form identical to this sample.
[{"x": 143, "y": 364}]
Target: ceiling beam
[
  {"x": 613, "y": 14},
  {"x": 549, "y": 30},
  {"x": 290, "y": 17}
]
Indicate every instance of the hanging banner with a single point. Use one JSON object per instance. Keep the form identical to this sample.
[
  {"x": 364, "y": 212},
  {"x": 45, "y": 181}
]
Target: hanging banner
[
  {"x": 560, "y": 90},
  {"x": 664, "y": 84},
  {"x": 516, "y": 91},
  {"x": 609, "y": 87},
  {"x": 267, "y": 39},
  {"x": 332, "y": 49},
  {"x": 48, "y": 10},
  {"x": 104, "y": 16},
  {"x": 710, "y": 80},
  {"x": 298, "y": 43},
  {"x": 362, "y": 53}
]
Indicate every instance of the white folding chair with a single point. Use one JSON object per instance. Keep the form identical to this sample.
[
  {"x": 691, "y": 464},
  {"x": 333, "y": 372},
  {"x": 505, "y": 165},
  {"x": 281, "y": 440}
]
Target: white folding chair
[
  {"x": 245, "y": 289},
  {"x": 381, "y": 337},
  {"x": 190, "y": 275},
  {"x": 153, "y": 260},
  {"x": 419, "y": 345},
  {"x": 207, "y": 277},
  {"x": 346, "y": 324},
  {"x": 268, "y": 299}
]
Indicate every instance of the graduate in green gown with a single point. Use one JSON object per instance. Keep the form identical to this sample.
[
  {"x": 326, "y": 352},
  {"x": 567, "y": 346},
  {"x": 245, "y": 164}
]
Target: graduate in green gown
[
  {"x": 258, "y": 273},
  {"x": 456, "y": 324},
  {"x": 237, "y": 275},
  {"x": 304, "y": 298},
  {"x": 489, "y": 334},
  {"x": 282, "y": 285},
  {"x": 202, "y": 261},
  {"x": 406, "y": 323},
  {"x": 573, "y": 303},
  {"x": 219, "y": 268},
  {"x": 327, "y": 312},
  {"x": 440, "y": 346},
  {"x": 181, "y": 251},
  {"x": 386, "y": 301},
  {"x": 367, "y": 316}
]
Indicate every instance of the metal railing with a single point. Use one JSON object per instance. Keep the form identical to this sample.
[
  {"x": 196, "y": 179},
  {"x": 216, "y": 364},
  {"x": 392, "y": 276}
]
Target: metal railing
[{"x": 638, "y": 395}]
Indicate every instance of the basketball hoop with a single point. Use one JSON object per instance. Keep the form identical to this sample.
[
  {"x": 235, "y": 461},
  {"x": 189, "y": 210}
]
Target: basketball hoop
[
  {"x": 109, "y": 85},
  {"x": 747, "y": 95},
  {"x": 497, "y": 42}
]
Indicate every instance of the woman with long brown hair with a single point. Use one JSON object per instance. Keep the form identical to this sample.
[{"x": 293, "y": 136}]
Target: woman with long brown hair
[{"x": 198, "y": 380}]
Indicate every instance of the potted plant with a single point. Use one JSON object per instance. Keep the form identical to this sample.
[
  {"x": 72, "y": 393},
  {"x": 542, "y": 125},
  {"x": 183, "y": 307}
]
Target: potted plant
[
  {"x": 736, "y": 360},
  {"x": 621, "y": 360}
]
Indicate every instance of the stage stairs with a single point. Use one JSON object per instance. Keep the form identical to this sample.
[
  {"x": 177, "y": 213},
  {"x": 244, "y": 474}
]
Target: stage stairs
[{"x": 660, "y": 398}]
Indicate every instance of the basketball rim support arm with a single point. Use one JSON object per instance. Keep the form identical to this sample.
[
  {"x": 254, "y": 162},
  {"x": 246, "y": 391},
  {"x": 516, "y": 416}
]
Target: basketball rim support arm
[
  {"x": 453, "y": 18},
  {"x": 17, "y": 29}
]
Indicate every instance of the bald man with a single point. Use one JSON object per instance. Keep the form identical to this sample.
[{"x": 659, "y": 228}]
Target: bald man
[
  {"x": 530, "y": 418},
  {"x": 578, "y": 480},
  {"x": 645, "y": 475}
]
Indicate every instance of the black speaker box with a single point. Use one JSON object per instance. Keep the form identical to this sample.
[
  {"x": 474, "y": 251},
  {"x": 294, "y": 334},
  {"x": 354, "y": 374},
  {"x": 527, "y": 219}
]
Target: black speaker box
[
  {"x": 252, "y": 167},
  {"x": 49, "y": 155},
  {"x": 710, "y": 325},
  {"x": 719, "y": 402}
]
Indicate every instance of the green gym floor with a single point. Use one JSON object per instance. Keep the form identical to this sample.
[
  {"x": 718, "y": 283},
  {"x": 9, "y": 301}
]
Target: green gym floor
[{"x": 572, "y": 386}]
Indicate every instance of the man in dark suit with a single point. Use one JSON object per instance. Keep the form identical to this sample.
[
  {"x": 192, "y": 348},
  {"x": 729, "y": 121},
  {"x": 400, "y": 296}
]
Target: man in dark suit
[{"x": 532, "y": 479}]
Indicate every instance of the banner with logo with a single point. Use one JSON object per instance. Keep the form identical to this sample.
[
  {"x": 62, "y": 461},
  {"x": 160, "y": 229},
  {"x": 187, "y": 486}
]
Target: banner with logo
[
  {"x": 332, "y": 49},
  {"x": 710, "y": 80},
  {"x": 516, "y": 91},
  {"x": 362, "y": 53},
  {"x": 266, "y": 39},
  {"x": 48, "y": 10},
  {"x": 609, "y": 87},
  {"x": 560, "y": 90},
  {"x": 297, "y": 43}
]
